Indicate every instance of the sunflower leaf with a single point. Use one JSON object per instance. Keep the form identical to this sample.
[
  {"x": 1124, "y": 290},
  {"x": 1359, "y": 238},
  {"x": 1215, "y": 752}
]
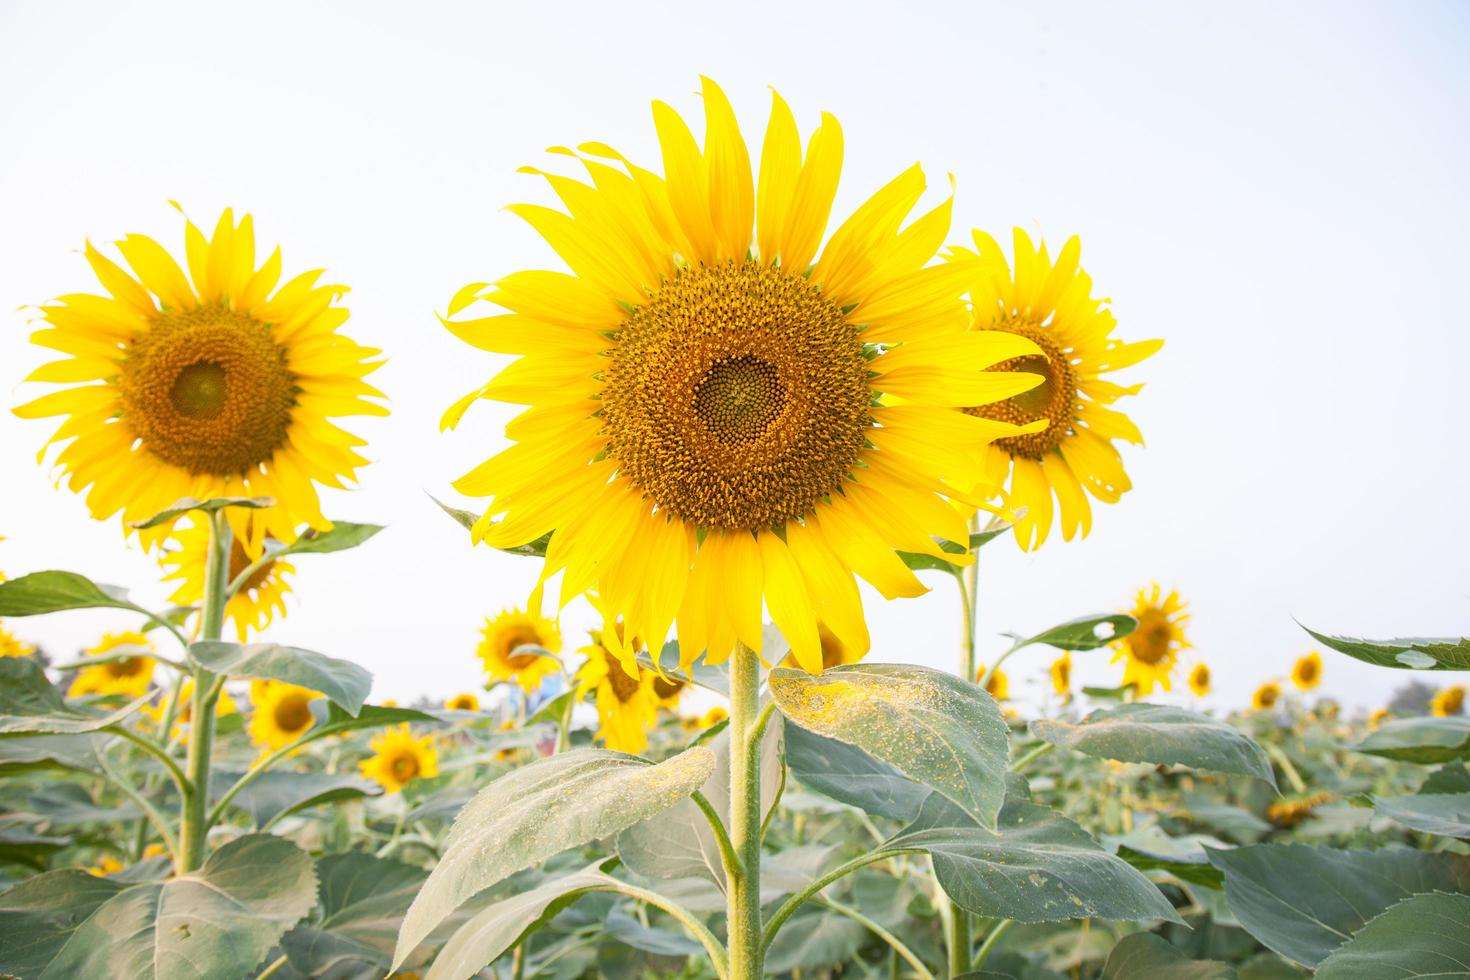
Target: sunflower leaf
[
  {"x": 187, "y": 504},
  {"x": 54, "y": 591},
  {"x": 1444, "y": 814},
  {"x": 1422, "y": 936},
  {"x": 468, "y": 519},
  {"x": 1083, "y": 633},
  {"x": 1144, "y": 955},
  {"x": 344, "y": 682},
  {"x": 279, "y": 793},
  {"x": 1422, "y": 740},
  {"x": 341, "y": 537},
  {"x": 30, "y": 705},
  {"x": 1409, "y": 653}
]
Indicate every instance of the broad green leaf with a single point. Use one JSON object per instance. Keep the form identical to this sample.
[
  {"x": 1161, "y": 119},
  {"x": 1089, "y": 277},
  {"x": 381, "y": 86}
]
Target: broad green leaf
[
  {"x": 1144, "y": 956},
  {"x": 29, "y": 705},
  {"x": 1445, "y": 814},
  {"x": 1303, "y": 901},
  {"x": 540, "y": 809},
  {"x": 935, "y": 728},
  {"x": 18, "y": 846},
  {"x": 551, "y": 712},
  {"x": 35, "y": 752},
  {"x": 343, "y": 681},
  {"x": 1448, "y": 779},
  {"x": 1422, "y": 936},
  {"x": 1233, "y": 822},
  {"x": 467, "y": 519},
  {"x": 47, "y": 592},
  {"x": 341, "y": 537},
  {"x": 1038, "y": 866},
  {"x": 1420, "y": 740},
  {"x": 332, "y": 720},
  {"x": 279, "y": 792},
  {"x": 39, "y": 915},
  {"x": 660, "y": 942},
  {"x": 1183, "y": 857},
  {"x": 698, "y": 673},
  {"x": 199, "y": 926},
  {"x": 849, "y": 775},
  {"x": 1161, "y": 735},
  {"x": 363, "y": 898},
  {"x": 814, "y": 939},
  {"x": 495, "y": 928},
  {"x": 187, "y": 504},
  {"x": 679, "y": 842},
  {"x": 1084, "y": 633},
  {"x": 920, "y": 561},
  {"x": 1410, "y": 653}
]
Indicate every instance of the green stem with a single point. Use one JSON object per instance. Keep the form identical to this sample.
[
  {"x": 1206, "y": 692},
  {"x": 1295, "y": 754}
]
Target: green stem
[
  {"x": 893, "y": 941},
  {"x": 180, "y": 780},
  {"x": 728, "y": 856},
  {"x": 957, "y": 921},
  {"x": 149, "y": 810},
  {"x": 957, "y": 939},
  {"x": 743, "y": 921},
  {"x": 984, "y": 952},
  {"x": 1032, "y": 756},
  {"x": 784, "y": 912},
  {"x": 193, "y": 825},
  {"x": 271, "y": 970},
  {"x": 1292, "y": 776},
  {"x": 683, "y": 916}
]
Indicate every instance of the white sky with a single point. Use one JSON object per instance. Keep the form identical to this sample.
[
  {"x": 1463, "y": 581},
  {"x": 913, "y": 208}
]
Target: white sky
[{"x": 1280, "y": 192}]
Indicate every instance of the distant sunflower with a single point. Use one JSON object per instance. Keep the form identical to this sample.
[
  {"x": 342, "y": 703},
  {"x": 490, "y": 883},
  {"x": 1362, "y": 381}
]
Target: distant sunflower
[
  {"x": 1291, "y": 812},
  {"x": 1306, "y": 673},
  {"x": 1266, "y": 696},
  {"x": 506, "y": 648},
  {"x": 225, "y": 705},
  {"x": 627, "y": 706},
  {"x": 834, "y": 652},
  {"x": 718, "y": 417},
  {"x": 1051, "y": 304},
  {"x": 1061, "y": 675},
  {"x": 1377, "y": 718},
  {"x": 125, "y": 675},
  {"x": 1151, "y": 651},
  {"x": 1199, "y": 679},
  {"x": 399, "y": 758},
  {"x": 213, "y": 385},
  {"x": 13, "y": 646},
  {"x": 281, "y": 713},
  {"x": 1447, "y": 702},
  {"x": 713, "y": 717},
  {"x": 106, "y": 865},
  {"x": 261, "y": 597},
  {"x": 463, "y": 702},
  {"x": 668, "y": 690},
  {"x": 998, "y": 686}
]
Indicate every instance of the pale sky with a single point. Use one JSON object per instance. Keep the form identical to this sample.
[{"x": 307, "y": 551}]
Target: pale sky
[{"x": 1278, "y": 190}]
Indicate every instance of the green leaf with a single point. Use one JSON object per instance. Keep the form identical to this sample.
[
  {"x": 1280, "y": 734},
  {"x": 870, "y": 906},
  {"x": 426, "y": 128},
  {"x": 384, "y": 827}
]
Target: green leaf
[
  {"x": 700, "y": 674},
  {"x": 1144, "y": 956},
  {"x": 279, "y": 793},
  {"x": 468, "y": 519},
  {"x": 1037, "y": 867},
  {"x": 29, "y": 705},
  {"x": 1423, "y": 936},
  {"x": 540, "y": 809},
  {"x": 39, "y": 915},
  {"x": 1302, "y": 901},
  {"x": 41, "y": 752},
  {"x": 332, "y": 720},
  {"x": 921, "y": 562},
  {"x": 1084, "y": 633},
  {"x": 341, "y": 537},
  {"x": 551, "y": 712},
  {"x": 849, "y": 775},
  {"x": 203, "y": 926},
  {"x": 679, "y": 842},
  {"x": 1235, "y": 823},
  {"x": 363, "y": 898},
  {"x": 31, "y": 850},
  {"x": 1410, "y": 653},
  {"x": 813, "y": 939},
  {"x": 1445, "y": 814},
  {"x": 1183, "y": 857},
  {"x": 660, "y": 942},
  {"x": 1161, "y": 735},
  {"x": 343, "y": 681},
  {"x": 47, "y": 592},
  {"x": 187, "y": 504},
  {"x": 495, "y": 928},
  {"x": 1448, "y": 779},
  {"x": 935, "y": 728},
  {"x": 1420, "y": 740}
]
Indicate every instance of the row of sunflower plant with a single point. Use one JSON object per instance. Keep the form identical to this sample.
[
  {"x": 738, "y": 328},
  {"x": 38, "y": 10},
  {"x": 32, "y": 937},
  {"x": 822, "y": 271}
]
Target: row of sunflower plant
[{"x": 729, "y": 417}]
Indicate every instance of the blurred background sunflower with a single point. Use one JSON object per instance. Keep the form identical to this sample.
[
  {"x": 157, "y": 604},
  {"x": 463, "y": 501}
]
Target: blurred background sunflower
[
  {"x": 1151, "y": 652},
  {"x": 280, "y": 713},
  {"x": 127, "y": 669},
  {"x": 627, "y": 704},
  {"x": 515, "y": 646},
  {"x": 399, "y": 757},
  {"x": 260, "y": 598}
]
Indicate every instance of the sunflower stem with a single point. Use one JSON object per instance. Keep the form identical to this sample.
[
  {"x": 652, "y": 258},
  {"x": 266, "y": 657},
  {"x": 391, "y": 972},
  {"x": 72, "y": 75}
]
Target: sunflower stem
[
  {"x": 957, "y": 922},
  {"x": 194, "y": 822},
  {"x": 743, "y": 920}
]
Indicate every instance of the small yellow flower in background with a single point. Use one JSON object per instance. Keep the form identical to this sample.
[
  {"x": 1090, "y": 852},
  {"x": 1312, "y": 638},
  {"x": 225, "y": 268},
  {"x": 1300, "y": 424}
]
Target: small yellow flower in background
[
  {"x": 508, "y": 633},
  {"x": 280, "y": 713},
  {"x": 154, "y": 850},
  {"x": 12, "y": 646},
  {"x": 463, "y": 702},
  {"x": 106, "y": 865},
  {"x": 1199, "y": 679},
  {"x": 998, "y": 686},
  {"x": 1151, "y": 652},
  {"x": 1306, "y": 673},
  {"x": 261, "y": 598},
  {"x": 713, "y": 717},
  {"x": 129, "y": 676},
  {"x": 834, "y": 652},
  {"x": 389, "y": 703},
  {"x": 1051, "y": 304},
  {"x": 627, "y": 706},
  {"x": 1266, "y": 696},
  {"x": 214, "y": 384},
  {"x": 505, "y": 755},
  {"x": 1447, "y": 702},
  {"x": 399, "y": 758},
  {"x": 156, "y": 711},
  {"x": 1061, "y": 675},
  {"x": 1377, "y": 718},
  {"x": 668, "y": 691},
  {"x": 1290, "y": 813}
]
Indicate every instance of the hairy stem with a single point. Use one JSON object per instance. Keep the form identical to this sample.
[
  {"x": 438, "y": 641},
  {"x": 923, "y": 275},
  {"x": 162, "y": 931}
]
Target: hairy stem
[{"x": 743, "y": 921}]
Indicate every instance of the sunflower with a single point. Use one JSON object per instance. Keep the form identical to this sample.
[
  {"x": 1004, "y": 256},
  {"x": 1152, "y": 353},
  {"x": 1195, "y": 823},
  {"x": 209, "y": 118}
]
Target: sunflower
[
  {"x": 261, "y": 597},
  {"x": 281, "y": 713},
  {"x": 1199, "y": 679},
  {"x": 1377, "y": 718},
  {"x": 713, "y": 717},
  {"x": 505, "y": 755},
  {"x": 998, "y": 686},
  {"x": 1290, "y": 813},
  {"x": 1449, "y": 701},
  {"x": 106, "y": 865},
  {"x": 125, "y": 675},
  {"x": 627, "y": 705},
  {"x": 1266, "y": 696},
  {"x": 463, "y": 702},
  {"x": 225, "y": 705},
  {"x": 1306, "y": 673},
  {"x": 214, "y": 385},
  {"x": 399, "y": 758},
  {"x": 1152, "y": 650},
  {"x": 834, "y": 652},
  {"x": 504, "y": 649},
  {"x": 668, "y": 690},
  {"x": 1051, "y": 304},
  {"x": 1061, "y": 675},
  {"x": 717, "y": 415},
  {"x": 12, "y": 646}
]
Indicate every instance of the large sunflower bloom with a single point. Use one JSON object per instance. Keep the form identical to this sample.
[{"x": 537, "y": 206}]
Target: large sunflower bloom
[
  {"x": 128, "y": 676},
  {"x": 399, "y": 758},
  {"x": 281, "y": 713},
  {"x": 627, "y": 705},
  {"x": 506, "y": 648},
  {"x": 1051, "y": 304},
  {"x": 1151, "y": 652},
  {"x": 260, "y": 599},
  {"x": 1306, "y": 673},
  {"x": 212, "y": 385},
  {"x": 718, "y": 416}
]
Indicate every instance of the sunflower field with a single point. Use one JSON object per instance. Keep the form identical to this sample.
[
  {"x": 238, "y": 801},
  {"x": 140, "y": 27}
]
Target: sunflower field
[{"x": 735, "y": 404}]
